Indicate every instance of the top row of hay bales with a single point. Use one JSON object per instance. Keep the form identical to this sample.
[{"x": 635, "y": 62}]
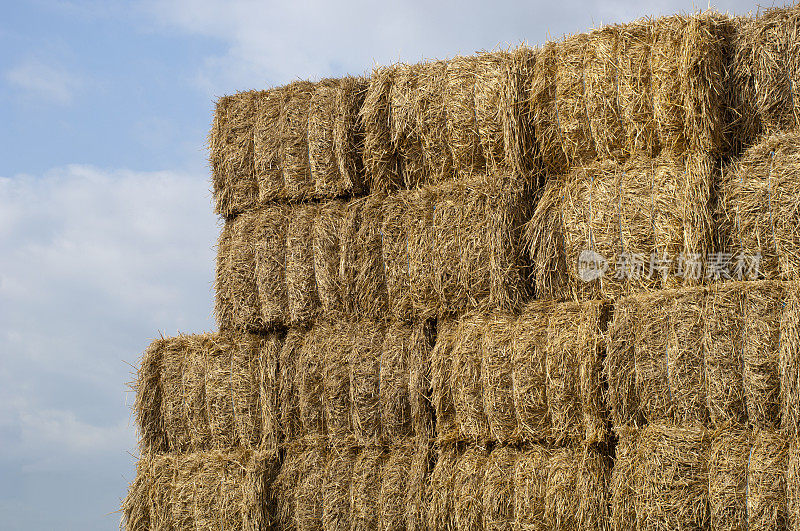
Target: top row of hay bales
[{"x": 706, "y": 83}]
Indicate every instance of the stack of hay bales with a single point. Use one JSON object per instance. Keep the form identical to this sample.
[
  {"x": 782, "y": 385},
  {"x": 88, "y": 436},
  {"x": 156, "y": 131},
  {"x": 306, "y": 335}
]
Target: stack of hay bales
[{"x": 417, "y": 329}]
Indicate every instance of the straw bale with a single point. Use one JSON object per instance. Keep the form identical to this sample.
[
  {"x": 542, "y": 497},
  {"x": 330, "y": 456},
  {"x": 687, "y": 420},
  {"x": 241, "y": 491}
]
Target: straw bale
[
  {"x": 465, "y": 379},
  {"x": 285, "y": 486},
  {"x": 441, "y": 381},
  {"x": 348, "y": 133},
  {"x": 561, "y": 503},
  {"x": 335, "y": 344},
  {"x": 619, "y": 367},
  {"x": 308, "y": 496},
  {"x": 420, "y": 385},
  {"x": 440, "y": 493},
  {"x": 394, "y": 385},
  {"x": 223, "y": 299},
  {"x": 793, "y": 484},
  {"x": 727, "y": 479},
  {"x": 301, "y": 284},
  {"x": 297, "y": 178},
  {"x": 462, "y": 128},
  {"x": 252, "y": 373},
  {"x": 790, "y": 362},
  {"x": 380, "y": 157},
  {"x": 269, "y": 364},
  {"x": 269, "y": 244},
  {"x": 327, "y": 239},
  {"x": 365, "y": 371},
  {"x": 288, "y": 384},
  {"x": 497, "y": 375},
  {"x": 219, "y": 393},
  {"x": 362, "y": 266},
  {"x": 394, "y": 488},
  {"x": 636, "y": 87},
  {"x": 422, "y": 263},
  {"x": 623, "y": 484},
  {"x": 149, "y": 397},
  {"x": 231, "y": 153},
  {"x": 309, "y": 382},
  {"x": 267, "y": 144},
  {"x": 321, "y": 155},
  {"x": 765, "y": 72},
  {"x": 418, "y": 122},
  {"x": 571, "y": 100},
  {"x": 242, "y": 280},
  {"x": 722, "y": 348},
  {"x": 529, "y": 372},
  {"x": 194, "y": 421},
  {"x": 136, "y": 507},
  {"x": 758, "y": 208},
  {"x": 766, "y": 481},
  {"x": 492, "y": 108},
  {"x": 175, "y": 373},
  {"x": 182, "y": 489},
  {"x": 601, "y": 77},
  {"x": 518, "y": 131},
  {"x": 530, "y": 488},
  {"x": 668, "y": 106},
  {"x": 573, "y": 364},
  {"x": 543, "y": 241},
  {"x": 593, "y": 481},
  {"x": 396, "y": 258},
  {"x": 498, "y": 492},
  {"x": 546, "y": 119},
  {"x": 336, "y": 489},
  {"x": 419, "y": 478},
  {"x": 671, "y": 477},
  {"x": 468, "y": 489},
  {"x": 763, "y": 305},
  {"x": 365, "y": 489}
]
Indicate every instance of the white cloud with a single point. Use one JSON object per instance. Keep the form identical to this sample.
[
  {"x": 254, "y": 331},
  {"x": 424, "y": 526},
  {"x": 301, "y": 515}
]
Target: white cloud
[{"x": 44, "y": 82}]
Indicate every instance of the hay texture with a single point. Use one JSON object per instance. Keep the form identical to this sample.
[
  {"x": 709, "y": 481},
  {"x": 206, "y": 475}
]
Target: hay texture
[
  {"x": 441, "y": 390},
  {"x": 333, "y": 341},
  {"x": 530, "y": 488},
  {"x": 223, "y": 298},
  {"x": 767, "y": 467},
  {"x": 518, "y": 132},
  {"x": 623, "y": 484},
  {"x": 267, "y": 144},
  {"x": 418, "y": 480},
  {"x": 309, "y": 489},
  {"x": 268, "y": 231},
  {"x": 380, "y": 157},
  {"x": 728, "y": 480},
  {"x": 529, "y": 372},
  {"x": 758, "y": 210},
  {"x": 289, "y": 359},
  {"x": 394, "y": 488},
  {"x": 150, "y": 395},
  {"x": 309, "y": 382},
  {"x": 201, "y": 490},
  {"x": 336, "y": 489},
  {"x": 440, "y": 490},
  {"x": 362, "y": 268},
  {"x": 328, "y": 233},
  {"x": 498, "y": 492},
  {"x": 465, "y": 380},
  {"x": 395, "y": 254},
  {"x": 420, "y": 383},
  {"x": 235, "y": 186},
  {"x": 468, "y": 489},
  {"x": 365, "y": 489},
  {"x": 243, "y": 287},
  {"x": 365, "y": 371},
  {"x": 394, "y": 384},
  {"x": 297, "y": 178},
  {"x": 301, "y": 284},
  {"x": 497, "y": 376},
  {"x": 611, "y": 229}
]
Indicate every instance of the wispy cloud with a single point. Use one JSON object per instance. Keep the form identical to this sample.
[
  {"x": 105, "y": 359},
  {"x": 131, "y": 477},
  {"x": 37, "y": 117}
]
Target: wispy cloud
[{"x": 45, "y": 83}]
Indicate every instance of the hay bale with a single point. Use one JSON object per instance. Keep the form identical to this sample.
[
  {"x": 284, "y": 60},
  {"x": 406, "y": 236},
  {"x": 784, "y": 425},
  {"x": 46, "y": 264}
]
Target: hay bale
[
  {"x": 285, "y": 486},
  {"x": 380, "y": 158},
  {"x": 149, "y": 398},
  {"x": 394, "y": 488},
  {"x": 362, "y": 267},
  {"x": 327, "y": 239},
  {"x": 269, "y": 235},
  {"x": 530, "y": 488},
  {"x": 219, "y": 398},
  {"x": 575, "y": 401},
  {"x": 223, "y": 298},
  {"x": 601, "y": 77},
  {"x": 493, "y": 105},
  {"x": 668, "y": 106},
  {"x": 722, "y": 342},
  {"x": 253, "y": 368},
  {"x": 758, "y": 209},
  {"x": 301, "y": 284},
  {"x": 365, "y": 489},
  {"x": 194, "y": 422},
  {"x": 468, "y": 489},
  {"x": 518, "y": 132},
  {"x": 498, "y": 492},
  {"x": 365, "y": 371},
  {"x": 419, "y": 477},
  {"x": 529, "y": 373},
  {"x": 763, "y": 307},
  {"x": 545, "y": 110},
  {"x": 297, "y": 178},
  {"x": 231, "y": 154},
  {"x": 765, "y": 73},
  {"x": 334, "y": 341},
  {"x": 136, "y": 507},
  {"x": 636, "y": 87},
  {"x": 309, "y": 378},
  {"x": 571, "y": 100},
  {"x": 623, "y": 484},
  {"x": 243, "y": 282},
  {"x": 793, "y": 485},
  {"x": 267, "y": 142},
  {"x": 462, "y": 128},
  {"x": 396, "y": 257},
  {"x": 727, "y": 480},
  {"x": 441, "y": 381},
  {"x": 308, "y": 496},
  {"x": 290, "y": 424},
  {"x": 348, "y": 133},
  {"x": 465, "y": 379},
  {"x": 336, "y": 489},
  {"x": 269, "y": 357},
  {"x": 321, "y": 156},
  {"x": 593, "y": 482},
  {"x": 672, "y": 477},
  {"x": 497, "y": 376},
  {"x": 766, "y": 481},
  {"x": 440, "y": 495},
  {"x": 420, "y": 384},
  {"x": 561, "y": 503},
  {"x": 422, "y": 264},
  {"x": 176, "y": 358},
  {"x": 790, "y": 362},
  {"x": 619, "y": 366},
  {"x": 395, "y": 372}
]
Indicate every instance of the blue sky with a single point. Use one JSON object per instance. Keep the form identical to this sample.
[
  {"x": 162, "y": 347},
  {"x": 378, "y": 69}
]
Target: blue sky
[{"x": 106, "y": 230}]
